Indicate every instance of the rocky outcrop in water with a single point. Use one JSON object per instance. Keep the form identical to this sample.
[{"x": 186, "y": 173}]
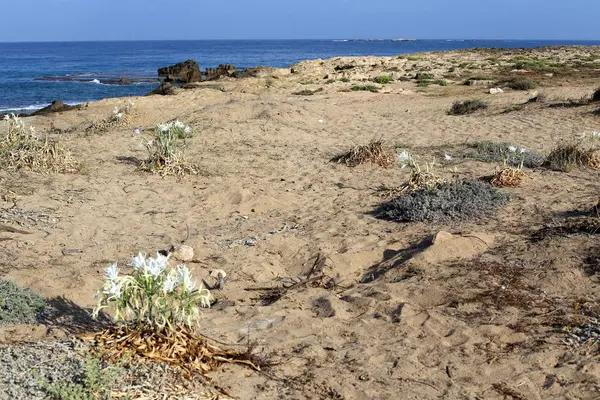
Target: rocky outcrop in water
[
  {"x": 186, "y": 72},
  {"x": 221, "y": 70},
  {"x": 55, "y": 106}
]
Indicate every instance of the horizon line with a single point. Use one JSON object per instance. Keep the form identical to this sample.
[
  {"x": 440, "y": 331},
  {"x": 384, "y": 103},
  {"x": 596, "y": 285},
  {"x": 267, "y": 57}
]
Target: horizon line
[{"x": 398, "y": 39}]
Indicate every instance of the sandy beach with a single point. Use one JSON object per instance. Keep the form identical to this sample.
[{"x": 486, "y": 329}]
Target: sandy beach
[{"x": 485, "y": 308}]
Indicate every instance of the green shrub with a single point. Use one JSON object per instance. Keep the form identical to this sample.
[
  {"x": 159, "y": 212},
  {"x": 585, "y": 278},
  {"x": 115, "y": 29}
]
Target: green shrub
[
  {"x": 512, "y": 156},
  {"x": 95, "y": 384},
  {"x": 345, "y": 80},
  {"x": 567, "y": 156},
  {"x": 382, "y": 80},
  {"x": 166, "y": 148},
  {"x": 365, "y": 88},
  {"x": 449, "y": 201},
  {"x": 154, "y": 296},
  {"x": 330, "y": 81},
  {"x": 307, "y": 92},
  {"x": 18, "y": 305},
  {"x": 521, "y": 84},
  {"x": 467, "y": 107}
]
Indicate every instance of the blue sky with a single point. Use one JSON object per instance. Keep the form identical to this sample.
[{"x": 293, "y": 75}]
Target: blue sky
[{"x": 69, "y": 20}]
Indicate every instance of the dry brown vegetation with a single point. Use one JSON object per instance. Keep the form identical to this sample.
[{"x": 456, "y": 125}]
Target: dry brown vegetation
[
  {"x": 375, "y": 152},
  {"x": 508, "y": 177},
  {"x": 21, "y": 148}
]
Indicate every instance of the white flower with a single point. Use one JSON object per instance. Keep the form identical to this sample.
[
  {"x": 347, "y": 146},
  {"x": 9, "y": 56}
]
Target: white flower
[
  {"x": 116, "y": 110},
  {"x": 185, "y": 277},
  {"x": 512, "y": 149},
  {"x": 138, "y": 262},
  {"x": 179, "y": 124},
  {"x": 156, "y": 266},
  {"x": 131, "y": 103},
  {"x": 447, "y": 156},
  {"x": 119, "y": 115},
  {"x": 187, "y": 130},
  {"x": 113, "y": 291},
  {"x": 170, "y": 283},
  {"x": 149, "y": 144},
  {"x": 111, "y": 273},
  {"x": 136, "y": 131},
  {"x": 404, "y": 158},
  {"x": 6, "y": 117},
  {"x": 522, "y": 150}
]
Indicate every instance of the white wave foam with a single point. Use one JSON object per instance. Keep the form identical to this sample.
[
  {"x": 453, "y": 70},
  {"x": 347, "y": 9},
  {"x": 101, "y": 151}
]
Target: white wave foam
[
  {"x": 95, "y": 81},
  {"x": 35, "y": 107}
]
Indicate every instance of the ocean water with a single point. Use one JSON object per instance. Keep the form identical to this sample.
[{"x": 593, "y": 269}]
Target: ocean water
[{"x": 77, "y": 68}]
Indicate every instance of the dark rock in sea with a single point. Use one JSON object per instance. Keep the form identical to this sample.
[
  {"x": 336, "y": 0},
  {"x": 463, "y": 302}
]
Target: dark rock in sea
[
  {"x": 221, "y": 70},
  {"x": 187, "y": 71},
  {"x": 55, "y": 106},
  {"x": 165, "y": 89}
]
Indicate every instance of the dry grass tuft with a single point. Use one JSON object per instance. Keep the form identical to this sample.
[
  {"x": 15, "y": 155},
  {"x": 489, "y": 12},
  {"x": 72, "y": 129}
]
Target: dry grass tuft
[
  {"x": 180, "y": 348},
  {"x": 508, "y": 177},
  {"x": 376, "y": 152},
  {"x": 567, "y": 156},
  {"x": 421, "y": 179},
  {"x": 21, "y": 148},
  {"x": 467, "y": 107}
]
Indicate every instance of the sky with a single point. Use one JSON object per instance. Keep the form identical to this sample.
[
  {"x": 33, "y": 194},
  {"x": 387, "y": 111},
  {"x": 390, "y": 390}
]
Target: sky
[{"x": 79, "y": 20}]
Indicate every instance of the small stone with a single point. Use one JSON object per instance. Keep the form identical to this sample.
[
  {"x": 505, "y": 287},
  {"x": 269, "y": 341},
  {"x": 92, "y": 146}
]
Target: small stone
[
  {"x": 182, "y": 252},
  {"x": 496, "y": 91}
]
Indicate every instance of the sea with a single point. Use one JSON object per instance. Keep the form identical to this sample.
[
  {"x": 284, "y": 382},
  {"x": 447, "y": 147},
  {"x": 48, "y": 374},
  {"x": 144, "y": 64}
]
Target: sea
[{"x": 32, "y": 75}]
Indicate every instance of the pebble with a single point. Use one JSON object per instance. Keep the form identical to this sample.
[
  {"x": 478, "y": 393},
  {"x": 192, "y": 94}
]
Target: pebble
[{"x": 182, "y": 252}]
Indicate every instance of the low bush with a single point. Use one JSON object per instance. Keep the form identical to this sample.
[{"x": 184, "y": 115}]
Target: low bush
[
  {"x": 382, "y": 80},
  {"x": 166, "y": 148},
  {"x": 467, "y": 107},
  {"x": 307, "y": 92},
  {"x": 449, "y": 201},
  {"x": 507, "y": 153},
  {"x": 521, "y": 84},
  {"x": 21, "y": 148},
  {"x": 374, "y": 152},
  {"x": 94, "y": 384},
  {"x": 18, "y": 305},
  {"x": 365, "y": 88},
  {"x": 568, "y": 156}
]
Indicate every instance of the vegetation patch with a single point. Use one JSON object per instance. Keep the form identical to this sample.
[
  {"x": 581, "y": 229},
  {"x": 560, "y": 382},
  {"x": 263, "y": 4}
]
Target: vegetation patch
[
  {"x": 21, "y": 148},
  {"x": 307, "y": 92},
  {"x": 508, "y": 177},
  {"x": 512, "y": 156},
  {"x": 121, "y": 115},
  {"x": 19, "y": 305},
  {"x": 520, "y": 84},
  {"x": 467, "y": 107},
  {"x": 425, "y": 83},
  {"x": 533, "y": 64},
  {"x": 382, "y": 80},
  {"x": 457, "y": 201},
  {"x": 365, "y": 88},
  {"x": 165, "y": 150},
  {"x": 158, "y": 308},
  {"x": 375, "y": 152},
  {"x": 94, "y": 384},
  {"x": 568, "y": 156}
]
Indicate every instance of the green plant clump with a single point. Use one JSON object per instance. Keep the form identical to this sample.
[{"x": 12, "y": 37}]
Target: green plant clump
[
  {"x": 467, "y": 107},
  {"x": 365, "y": 88},
  {"x": 166, "y": 150},
  {"x": 307, "y": 92},
  {"x": 521, "y": 84},
  {"x": 18, "y": 305},
  {"x": 95, "y": 384},
  {"x": 449, "y": 201},
  {"x": 154, "y": 296},
  {"x": 382, "y": 80}
]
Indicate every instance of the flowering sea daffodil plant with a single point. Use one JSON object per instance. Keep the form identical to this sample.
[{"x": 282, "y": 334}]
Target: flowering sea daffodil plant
[{"x": 154, "y": 295}]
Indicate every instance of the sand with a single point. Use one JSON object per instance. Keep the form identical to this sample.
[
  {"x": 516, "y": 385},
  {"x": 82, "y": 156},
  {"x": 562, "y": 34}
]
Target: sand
[{"x": 483, "y": 313}]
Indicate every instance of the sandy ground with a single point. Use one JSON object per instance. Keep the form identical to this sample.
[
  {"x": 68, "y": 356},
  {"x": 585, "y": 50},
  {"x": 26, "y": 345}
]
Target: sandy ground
[{"x": 480, "y": 315}]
